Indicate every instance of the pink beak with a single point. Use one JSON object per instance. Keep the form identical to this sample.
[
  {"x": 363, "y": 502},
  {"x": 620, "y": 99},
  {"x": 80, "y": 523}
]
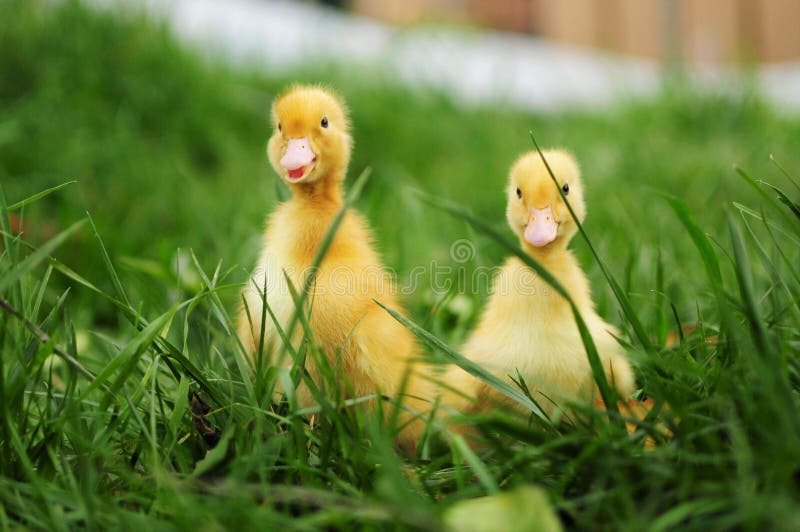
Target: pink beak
[
  {"x": 542, "y": 227},
  {"x": 298, "y": 154}
]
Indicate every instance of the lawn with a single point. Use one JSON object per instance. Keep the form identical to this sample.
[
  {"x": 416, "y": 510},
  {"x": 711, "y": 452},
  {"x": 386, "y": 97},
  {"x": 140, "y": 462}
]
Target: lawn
[{"x": 118, "y": 289}]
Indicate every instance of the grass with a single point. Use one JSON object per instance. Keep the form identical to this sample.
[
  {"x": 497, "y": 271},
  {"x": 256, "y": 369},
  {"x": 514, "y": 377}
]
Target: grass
[{"x": 110, "y": 321}]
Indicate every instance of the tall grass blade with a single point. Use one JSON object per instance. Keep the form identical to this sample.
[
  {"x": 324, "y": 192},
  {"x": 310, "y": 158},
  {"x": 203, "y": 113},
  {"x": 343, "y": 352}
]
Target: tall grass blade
[
  {"x": 783, "y": 170},
  {"x": 772, "y": 269},
  {"x": 39, "y": 195},
  {"x": 783, "y": 198},
  {"x": 466, "y": 364},
  {"x": 623, "y": 300},
  {"x": 109, "y": 265},
  {"x": 300, "y": 301},
  {"x": 774, "y": 225},
  {"x": 700, "y": 240},
  {"x": 766, "y": 197},
  {"x": 745, "y": 279},
  {"x": 478, "y": 467},
  {"x": 5, "y": 225}
]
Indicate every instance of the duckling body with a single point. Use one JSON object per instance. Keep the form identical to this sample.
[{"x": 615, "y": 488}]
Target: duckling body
[
  {"x": 369, "y": 351},
  {"x": 527, "y": 328},
  {"x": 539, "y": 339}
]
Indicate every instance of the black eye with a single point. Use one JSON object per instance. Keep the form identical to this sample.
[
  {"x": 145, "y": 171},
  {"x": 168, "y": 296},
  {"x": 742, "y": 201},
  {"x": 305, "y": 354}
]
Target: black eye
[
  {"x": 324, "y": 122},
  {"x": 565, "y": 188},
  {"x": 279, "y": 126},
  {"x": 519, "y": 193}
]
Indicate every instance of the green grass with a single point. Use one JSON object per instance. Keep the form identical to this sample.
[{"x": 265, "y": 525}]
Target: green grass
[{"x": 109, "y": 322}]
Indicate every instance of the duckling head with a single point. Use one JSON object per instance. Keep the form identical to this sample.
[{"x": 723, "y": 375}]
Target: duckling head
[
  {"x": 536, "y": 210},
  {"x": 311, "y": 138}
]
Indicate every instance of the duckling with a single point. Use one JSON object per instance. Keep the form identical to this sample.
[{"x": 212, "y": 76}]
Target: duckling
[
  {"x": 310, "y": 150},
  {"x": 526, "y": 326}
]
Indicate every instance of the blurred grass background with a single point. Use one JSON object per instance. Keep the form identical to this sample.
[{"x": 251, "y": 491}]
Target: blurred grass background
[{"x": 168, "y": 153}]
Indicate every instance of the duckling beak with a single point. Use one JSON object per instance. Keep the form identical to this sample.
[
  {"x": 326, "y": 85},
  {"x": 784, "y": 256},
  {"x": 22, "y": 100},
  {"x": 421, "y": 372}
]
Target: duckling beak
[
  {"x": 542, "y": 227},
  {"x": 297, "y": 157}
]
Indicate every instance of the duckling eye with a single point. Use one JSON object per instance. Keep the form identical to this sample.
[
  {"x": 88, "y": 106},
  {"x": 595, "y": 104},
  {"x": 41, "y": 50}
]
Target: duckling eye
[
  {"x": 519, "y": 193},
  {"x": 324, "y": 122},
  {"x": 279, "y": 127},
  {"x": 565, "y": 188}
]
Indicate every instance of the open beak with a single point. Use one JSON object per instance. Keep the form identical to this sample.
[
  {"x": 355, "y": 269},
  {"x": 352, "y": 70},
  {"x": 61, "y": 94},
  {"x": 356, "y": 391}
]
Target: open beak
[
  {"x": 297, "y": 158},
  {"x": 542, "y": 227}
]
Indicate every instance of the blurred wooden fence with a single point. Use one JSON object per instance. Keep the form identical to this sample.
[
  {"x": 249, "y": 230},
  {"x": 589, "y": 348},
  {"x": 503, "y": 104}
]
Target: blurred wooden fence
[{"x": 697, "y": 31}]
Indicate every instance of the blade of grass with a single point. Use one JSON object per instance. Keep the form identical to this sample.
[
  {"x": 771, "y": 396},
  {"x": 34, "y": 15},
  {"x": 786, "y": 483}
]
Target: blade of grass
[
  {"x": 771, "y": 268},
  {"x": 747, "y": 210},
  {"x": 267, "y": 309},
  {"x": 299, "y": 363},
  {"x": 352, "y": 197},
  {"x": 700, "y": 240},
  {"x": 784, "y": 172},
  {"x": 39, "y": 195},
  {"x": 660, "y": 301},
  {"x": 766, "y": 197},
  {"x": 478, "y": 467},
  {"x": 623, "y": 300},
  {"x": 302, "y": 296},
  {"x": 5, "y": 225},
  {"x": 466, "y": 364},
  {"x": 790, "y": 264},
  {"x": 745, "y": 278},
  {"x": 37, "y": 303},
  {"x": 783, "y": 198},
  {"x": 109, "y": 265}
]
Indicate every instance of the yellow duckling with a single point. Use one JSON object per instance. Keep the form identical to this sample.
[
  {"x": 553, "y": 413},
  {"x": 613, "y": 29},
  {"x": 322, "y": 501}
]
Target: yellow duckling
[
  {"x": 371, "y": 352},
  {"x": 527, "y": 327}
]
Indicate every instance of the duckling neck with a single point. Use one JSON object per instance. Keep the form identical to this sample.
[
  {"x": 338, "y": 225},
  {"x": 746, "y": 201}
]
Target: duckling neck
[
  {"x": 325, "y": 191},
  {"x": 550, "y": 256},
  {"x": 308, "y": 216},
  {"x": 563, "y": 265},
  {"x": 558, "y": 260}
]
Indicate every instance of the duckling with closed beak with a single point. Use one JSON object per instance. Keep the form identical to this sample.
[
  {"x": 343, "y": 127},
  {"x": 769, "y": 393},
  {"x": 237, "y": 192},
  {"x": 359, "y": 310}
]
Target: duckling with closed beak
[{"x": 527, "y": 328}]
